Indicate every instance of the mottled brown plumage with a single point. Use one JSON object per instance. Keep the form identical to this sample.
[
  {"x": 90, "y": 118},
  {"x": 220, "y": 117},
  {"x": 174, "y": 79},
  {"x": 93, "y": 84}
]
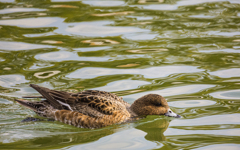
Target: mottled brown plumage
[{"x": 94, "y": 109}]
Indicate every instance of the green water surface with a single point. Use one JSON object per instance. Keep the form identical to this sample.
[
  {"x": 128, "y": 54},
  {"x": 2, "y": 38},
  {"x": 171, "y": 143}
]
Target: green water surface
[{"x": 185, "y": 50}]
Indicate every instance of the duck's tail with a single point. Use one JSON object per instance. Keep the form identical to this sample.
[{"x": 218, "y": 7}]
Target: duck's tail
[
  {"x": 42, "y": 108},
  {"x": 27, "y": 104}
]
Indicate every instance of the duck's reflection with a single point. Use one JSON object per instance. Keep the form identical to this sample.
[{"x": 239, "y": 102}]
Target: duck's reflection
[{"x": 154, "y": 128}]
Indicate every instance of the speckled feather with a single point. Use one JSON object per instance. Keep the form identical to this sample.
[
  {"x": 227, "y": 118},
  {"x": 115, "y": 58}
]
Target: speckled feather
[{"x": 91, "y": 108}]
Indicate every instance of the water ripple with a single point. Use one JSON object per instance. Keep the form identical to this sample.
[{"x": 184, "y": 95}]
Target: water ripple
[
  {"x": 184, "y": 50},
  {"x": 121, "y": 85},
  {"x": 17, "y": 46},
  {"x": 153, "y": 72},
  {"x": 230, "y": 94}
]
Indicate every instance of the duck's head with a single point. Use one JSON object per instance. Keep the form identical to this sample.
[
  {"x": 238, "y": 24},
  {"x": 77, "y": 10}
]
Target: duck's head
[{"x": 152, "y": 104}]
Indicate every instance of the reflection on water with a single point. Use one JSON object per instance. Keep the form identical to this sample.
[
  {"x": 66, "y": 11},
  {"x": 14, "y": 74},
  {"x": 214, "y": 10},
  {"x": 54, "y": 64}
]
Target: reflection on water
[
  {"x": 230, "y": 94},
  {"x": 228, "y": 73},
  {"x": 152, "y": 72},
  {"x": 11, "y": 80},
  {"x": 220, "y": 147},
  {"x": 104, "y": 3},
  {"x": 100, "y": 29},
  {"x": 154, "y": 128},
  {"x": 30, "y": 22},
  {"x": 18, "y": 46},
  {"x": 191, "y": 103},
  {"x": 15, "y": 10},
  {"x": 188, "y": 51},
  {"x": 122, "y": 85}
]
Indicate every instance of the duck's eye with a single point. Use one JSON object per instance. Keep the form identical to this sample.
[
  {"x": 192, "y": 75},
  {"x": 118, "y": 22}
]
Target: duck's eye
[{"x": 158, "y": 104}]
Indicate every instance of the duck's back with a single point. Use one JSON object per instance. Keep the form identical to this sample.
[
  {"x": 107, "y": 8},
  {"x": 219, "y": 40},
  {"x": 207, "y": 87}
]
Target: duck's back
[{"x": 97, "y": 103}]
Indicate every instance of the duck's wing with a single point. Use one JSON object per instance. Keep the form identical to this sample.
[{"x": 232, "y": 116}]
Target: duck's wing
[
  {"x": 52, "y": 96},
  {"x": 104, "y": 94},
  {"x": 105, "y": 105}
]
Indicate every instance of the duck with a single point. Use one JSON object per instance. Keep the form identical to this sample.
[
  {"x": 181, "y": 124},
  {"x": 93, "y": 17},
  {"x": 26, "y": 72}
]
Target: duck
[{"x": 93, "y": 108}]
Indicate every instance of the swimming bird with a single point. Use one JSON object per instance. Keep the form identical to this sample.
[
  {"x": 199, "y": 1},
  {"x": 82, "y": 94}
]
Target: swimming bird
[{"x": 94, "y": 109}]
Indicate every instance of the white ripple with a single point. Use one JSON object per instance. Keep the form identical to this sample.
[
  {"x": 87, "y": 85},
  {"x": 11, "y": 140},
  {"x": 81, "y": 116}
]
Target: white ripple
[
  {"x": 11, "y": 80},
  {"x": 230, "y": 94},
  {"x": 179, "y": 3},
  {"x": 152, "y": 72},
  {"x": 227, "y": 132},
  {"x": 121, "y": 85},
  {"x": 100, "y": 29},
  {"x": 191, "y": 103},
  {"x": 32, "y": 22},
  {"x": 220, "y": 147},
  {"x": 208, "y": 120},
  {"x": 104, "y": 3},
  {"x": 14, "y": 10},
  {"x": 17, "y": 46},
  {"x": 64, "y": 56},
  {"x": 228, "y": 73}
]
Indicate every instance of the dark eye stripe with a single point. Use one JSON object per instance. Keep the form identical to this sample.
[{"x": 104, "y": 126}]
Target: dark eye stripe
[{"x": 158, "y": 104}]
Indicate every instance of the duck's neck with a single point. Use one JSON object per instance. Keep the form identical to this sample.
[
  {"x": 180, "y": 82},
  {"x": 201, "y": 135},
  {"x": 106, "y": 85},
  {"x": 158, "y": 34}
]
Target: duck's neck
[{"x": 133, "y": 114}]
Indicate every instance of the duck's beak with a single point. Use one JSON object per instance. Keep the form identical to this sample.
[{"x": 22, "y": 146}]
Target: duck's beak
[{"x": 170, "y": 113}]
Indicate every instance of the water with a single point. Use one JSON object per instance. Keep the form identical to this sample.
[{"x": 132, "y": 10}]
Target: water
[{"x": 188, "y": 51}]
